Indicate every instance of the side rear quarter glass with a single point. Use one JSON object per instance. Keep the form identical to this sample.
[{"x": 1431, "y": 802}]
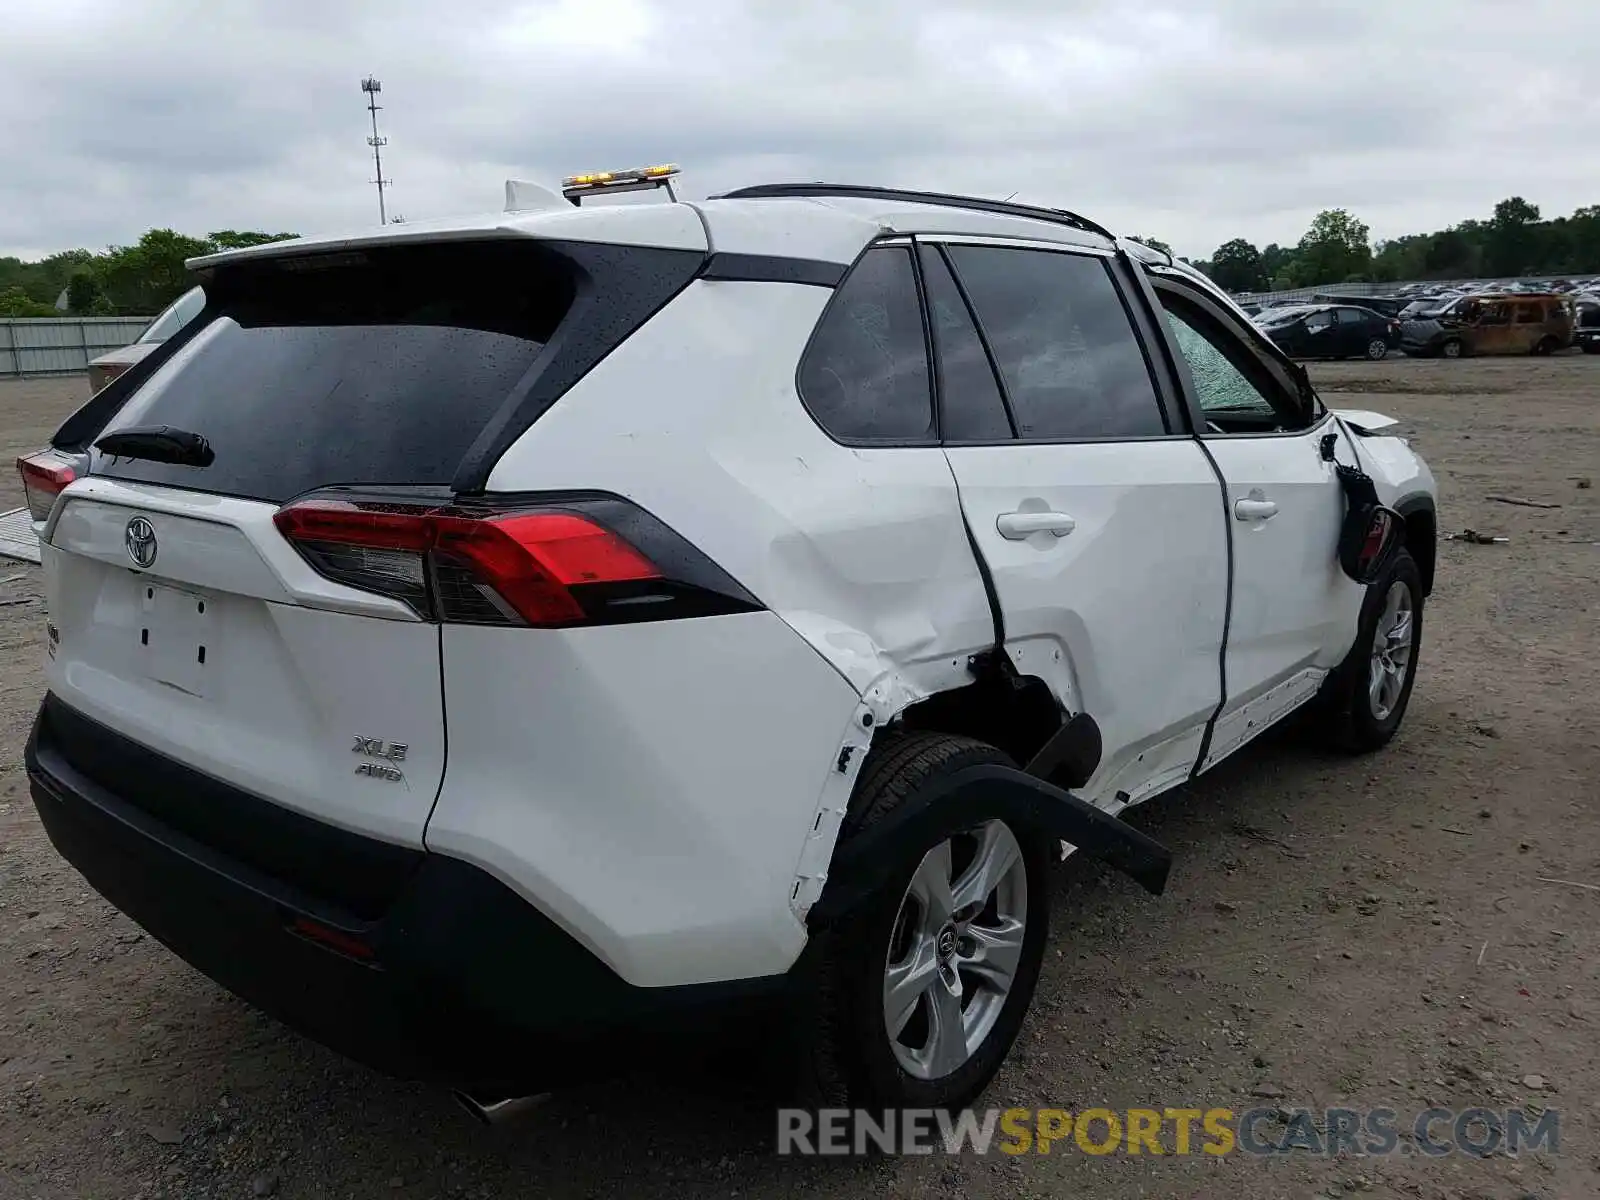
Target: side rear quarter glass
[
  {"x": 970, "y": 406},
  {"x": 1072, "y": 366},
  {"x": 865, "y": 376}
]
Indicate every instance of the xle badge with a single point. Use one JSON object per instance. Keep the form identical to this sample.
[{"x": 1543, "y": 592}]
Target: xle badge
[{"x": 380, "y": 758}]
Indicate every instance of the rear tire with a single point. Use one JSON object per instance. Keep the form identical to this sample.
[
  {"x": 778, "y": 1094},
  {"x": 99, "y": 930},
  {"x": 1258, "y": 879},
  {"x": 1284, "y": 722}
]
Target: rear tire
[
  {"x": 970, "y": 975},
  {"x": 1377, "y": 350},
  {"x": 1365, "y": 699},
  {"x": 1591, "y": 347}
]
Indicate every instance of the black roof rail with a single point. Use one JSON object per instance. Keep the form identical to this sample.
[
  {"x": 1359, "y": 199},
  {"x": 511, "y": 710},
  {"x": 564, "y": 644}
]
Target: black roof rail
[{"x": 1005, "y": 208}]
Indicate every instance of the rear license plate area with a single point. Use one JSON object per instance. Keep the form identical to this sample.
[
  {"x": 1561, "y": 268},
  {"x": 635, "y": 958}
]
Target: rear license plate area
[{"x": 174, "y": 638}]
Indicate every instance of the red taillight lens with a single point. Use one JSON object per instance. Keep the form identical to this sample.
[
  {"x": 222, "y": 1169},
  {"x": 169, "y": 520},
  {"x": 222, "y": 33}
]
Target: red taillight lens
[
  {"x": 454, "y": 565},
  {"x": 43, "y": 476}
]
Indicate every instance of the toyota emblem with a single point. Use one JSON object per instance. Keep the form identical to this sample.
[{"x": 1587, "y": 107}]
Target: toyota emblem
[{"x": 140, "y": 540}]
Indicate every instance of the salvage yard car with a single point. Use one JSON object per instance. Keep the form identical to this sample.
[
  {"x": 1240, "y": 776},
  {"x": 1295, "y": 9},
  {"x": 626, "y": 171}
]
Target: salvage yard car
[
  {"x": 1331, "y": 331},
  {"x": 494, "y": 648},
  {"x": 106, "y": 367},
  {"x": 1588, "y": 330},
  {"x": 1491, "y": 323}
]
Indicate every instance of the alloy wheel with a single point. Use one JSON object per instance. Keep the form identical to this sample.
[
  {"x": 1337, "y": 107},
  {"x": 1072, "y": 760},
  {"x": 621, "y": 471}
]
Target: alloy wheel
[
  {"x": 1392, "y": 646},
  {"x": 955, "y": 949}
]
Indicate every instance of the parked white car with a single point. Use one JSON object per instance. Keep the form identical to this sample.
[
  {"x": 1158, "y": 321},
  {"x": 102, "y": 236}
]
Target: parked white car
[
  {"x": 106, "y": 367},
  {"x": 491, "y": 646}
]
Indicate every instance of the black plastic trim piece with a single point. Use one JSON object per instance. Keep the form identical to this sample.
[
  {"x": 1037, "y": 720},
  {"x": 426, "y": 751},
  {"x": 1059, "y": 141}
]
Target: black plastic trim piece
[
  {"x": 1072, "y": 754},
  {"x": 344, "y": 872},
  {"x": 618, "y": 289},
  {"x": 1125, "y": 277},
  {"x": 1056, "y": 216},
  {"x": 929, "y": 345},
  {"x": 983, "y": 338},
  {"x": 771, "y": 268},
  {"x": 1227, "y": 615},
  {"x": 863, "y": 864},
  {"x": 454, "y": 982},
  {"x": 1411, "y": 505}
]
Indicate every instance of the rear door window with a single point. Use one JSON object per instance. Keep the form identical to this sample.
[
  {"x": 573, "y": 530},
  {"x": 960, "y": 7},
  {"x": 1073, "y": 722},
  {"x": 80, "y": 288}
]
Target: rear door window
[
  {"x": 382, "y": 366},
  {"x": 1072, "y": 366},
  {"x": 865, "y": 377}
]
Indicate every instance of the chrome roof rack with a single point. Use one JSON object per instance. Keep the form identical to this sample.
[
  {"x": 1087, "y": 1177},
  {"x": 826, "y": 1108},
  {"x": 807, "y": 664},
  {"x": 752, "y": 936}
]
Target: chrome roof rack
[{"x": 1059, "y": 216}]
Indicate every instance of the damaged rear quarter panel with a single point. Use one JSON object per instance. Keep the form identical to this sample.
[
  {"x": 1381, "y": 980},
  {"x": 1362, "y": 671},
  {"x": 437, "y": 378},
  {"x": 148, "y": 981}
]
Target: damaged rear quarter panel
[{"x": 862, "y": 551}]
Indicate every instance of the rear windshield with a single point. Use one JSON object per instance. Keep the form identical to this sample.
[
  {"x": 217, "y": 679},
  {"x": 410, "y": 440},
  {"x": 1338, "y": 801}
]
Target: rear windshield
[{"x": 382, "y": 366}]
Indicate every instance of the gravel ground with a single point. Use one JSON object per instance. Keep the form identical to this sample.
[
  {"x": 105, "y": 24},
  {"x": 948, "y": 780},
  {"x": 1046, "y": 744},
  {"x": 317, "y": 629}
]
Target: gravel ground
[{"x": 1366, "y": 932}]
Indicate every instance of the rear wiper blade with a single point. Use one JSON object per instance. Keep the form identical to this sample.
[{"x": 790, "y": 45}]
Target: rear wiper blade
[{"x": 159, "y": 443}]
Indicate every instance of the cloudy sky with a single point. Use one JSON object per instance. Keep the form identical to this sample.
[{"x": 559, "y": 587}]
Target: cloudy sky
[{"x": 1190, "y": 120}]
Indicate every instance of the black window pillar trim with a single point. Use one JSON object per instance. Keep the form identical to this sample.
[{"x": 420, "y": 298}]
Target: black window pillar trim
[
  {"x": 1149, "y": 331},
  {"x": 601, "y": 319},
  {"x": 929, "y": 348},
  {"x": 1176, "y": 373},
  {"x": 943, "y": 252}
]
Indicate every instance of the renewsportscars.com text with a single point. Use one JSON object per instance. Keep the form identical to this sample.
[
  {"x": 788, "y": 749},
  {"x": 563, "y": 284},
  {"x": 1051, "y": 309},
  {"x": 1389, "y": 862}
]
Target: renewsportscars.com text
[{"x": 1263, "y": 1132}]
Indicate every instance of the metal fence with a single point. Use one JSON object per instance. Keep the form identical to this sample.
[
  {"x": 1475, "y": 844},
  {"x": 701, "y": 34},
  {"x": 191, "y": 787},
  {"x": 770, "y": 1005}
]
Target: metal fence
[
  {"x": 1368, "y": 289},
  {"x": 61, "y": 346}
]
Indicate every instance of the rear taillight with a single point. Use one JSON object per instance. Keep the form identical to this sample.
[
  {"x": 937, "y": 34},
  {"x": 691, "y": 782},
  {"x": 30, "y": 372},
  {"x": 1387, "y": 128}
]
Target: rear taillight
[
  {"x": 43, "y": 476},
  {"x": 539, "y": 565}
]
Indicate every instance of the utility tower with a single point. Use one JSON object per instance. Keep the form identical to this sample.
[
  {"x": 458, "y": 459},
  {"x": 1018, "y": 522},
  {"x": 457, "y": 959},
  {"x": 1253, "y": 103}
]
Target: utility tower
[{"x": 372, "y": 87}]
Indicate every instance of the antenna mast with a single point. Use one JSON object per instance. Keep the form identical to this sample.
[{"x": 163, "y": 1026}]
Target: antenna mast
[{"x": 372, "y": 87}]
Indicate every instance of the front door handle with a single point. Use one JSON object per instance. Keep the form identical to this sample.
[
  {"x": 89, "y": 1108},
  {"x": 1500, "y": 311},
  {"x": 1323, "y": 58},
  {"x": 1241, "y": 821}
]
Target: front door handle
[
  {"x": 1254, "y": 509},
  {"x": 1014, "y": 526}
]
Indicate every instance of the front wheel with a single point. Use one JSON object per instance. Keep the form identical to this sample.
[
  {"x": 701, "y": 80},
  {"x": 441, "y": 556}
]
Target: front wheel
[
  {"x": 919, "y": 993},
  {"x": 1366, "y": 697},
  {"x": 1452, "y": 348},
  {"x": 1377, "y": 349},
  {"x": 1545, "y": 346}
]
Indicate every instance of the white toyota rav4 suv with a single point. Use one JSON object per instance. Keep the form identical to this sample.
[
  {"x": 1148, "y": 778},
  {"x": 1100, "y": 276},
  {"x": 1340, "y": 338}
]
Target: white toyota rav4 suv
[{"x": 486, "y": 644}]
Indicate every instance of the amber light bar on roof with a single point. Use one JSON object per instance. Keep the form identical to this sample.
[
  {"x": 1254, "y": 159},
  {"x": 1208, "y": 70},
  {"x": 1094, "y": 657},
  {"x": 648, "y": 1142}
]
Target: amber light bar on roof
[{"x": 575, "y": 187}]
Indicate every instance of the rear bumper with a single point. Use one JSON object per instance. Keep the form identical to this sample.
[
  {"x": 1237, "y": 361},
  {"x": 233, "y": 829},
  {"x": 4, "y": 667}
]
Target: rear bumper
[{"x": 458, "y": 981}]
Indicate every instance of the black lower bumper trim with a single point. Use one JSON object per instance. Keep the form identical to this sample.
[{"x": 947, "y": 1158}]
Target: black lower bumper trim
[{"x": 467, "y": 984}]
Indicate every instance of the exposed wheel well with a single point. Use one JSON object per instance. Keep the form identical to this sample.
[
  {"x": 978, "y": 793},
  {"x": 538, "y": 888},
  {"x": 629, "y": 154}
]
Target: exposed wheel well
[
  {"x": 1014, "y": 713},
  {"x": 1422, "y": 540}
]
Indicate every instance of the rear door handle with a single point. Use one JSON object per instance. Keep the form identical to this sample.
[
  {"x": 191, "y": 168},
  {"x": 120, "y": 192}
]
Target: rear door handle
[
  {"x": 1014, "y": 526},
  {"x": 1254, "y": 509}
]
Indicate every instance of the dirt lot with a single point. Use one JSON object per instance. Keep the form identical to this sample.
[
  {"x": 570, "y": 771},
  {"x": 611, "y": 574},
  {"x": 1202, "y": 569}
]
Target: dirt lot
[{"x": 1371, "y": 932}]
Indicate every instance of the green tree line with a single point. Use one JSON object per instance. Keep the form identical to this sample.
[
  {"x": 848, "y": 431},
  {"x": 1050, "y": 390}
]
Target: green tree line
[
  {"x": 136, "y": 280},
  {"x": 1515, "y": 242}
]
